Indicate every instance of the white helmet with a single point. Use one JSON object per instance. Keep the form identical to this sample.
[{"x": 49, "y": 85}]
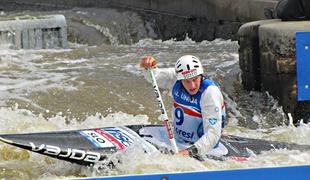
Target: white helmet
[{"x": 188, "y": 66}]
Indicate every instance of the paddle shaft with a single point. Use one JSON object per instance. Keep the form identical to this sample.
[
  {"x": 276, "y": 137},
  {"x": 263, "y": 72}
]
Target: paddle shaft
[{"x": 164, "y": 115}]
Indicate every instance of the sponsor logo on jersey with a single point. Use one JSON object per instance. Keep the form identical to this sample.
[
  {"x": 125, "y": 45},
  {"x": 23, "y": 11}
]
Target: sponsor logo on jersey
[
  {"x": 68, "y": 153},
  {"x": 186, "y": 97},
  {"x": 212, "y": 121},
  {"x": 97, "y": 139},
  {"x": 184, "y": 134}
]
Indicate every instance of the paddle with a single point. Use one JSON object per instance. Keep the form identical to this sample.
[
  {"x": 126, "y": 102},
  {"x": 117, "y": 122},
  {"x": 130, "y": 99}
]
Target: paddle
[{"x": 163, "y": 112}]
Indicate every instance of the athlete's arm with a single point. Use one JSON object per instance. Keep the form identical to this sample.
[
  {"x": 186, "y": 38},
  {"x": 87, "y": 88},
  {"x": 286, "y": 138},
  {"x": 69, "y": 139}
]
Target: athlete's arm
[
  {"x": 165, "y": 77},
  {"x": 211, "y": 108}
]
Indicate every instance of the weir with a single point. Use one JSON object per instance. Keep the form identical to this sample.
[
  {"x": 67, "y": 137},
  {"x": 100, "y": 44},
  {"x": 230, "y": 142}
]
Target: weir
[
  {"x": 198, "y": 19},
  {"x": 34, "y": 32}
]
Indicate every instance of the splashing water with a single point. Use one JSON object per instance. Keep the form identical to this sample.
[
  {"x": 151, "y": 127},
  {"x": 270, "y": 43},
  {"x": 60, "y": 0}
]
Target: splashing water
[{"x": 99, "y": 86}]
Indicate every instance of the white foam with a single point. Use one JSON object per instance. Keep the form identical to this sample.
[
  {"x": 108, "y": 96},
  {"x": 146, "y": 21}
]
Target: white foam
[{"x": 25, "y": 72}]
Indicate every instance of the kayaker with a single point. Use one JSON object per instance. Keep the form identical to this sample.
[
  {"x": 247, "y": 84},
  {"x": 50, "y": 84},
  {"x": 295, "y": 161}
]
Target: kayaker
[{"x": 198, "y": 107}]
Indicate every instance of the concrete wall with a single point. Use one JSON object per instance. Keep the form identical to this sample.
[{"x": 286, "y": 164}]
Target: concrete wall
[
  {"x": 267, "y": 58},
  {"x": 39, "y": 32},
  {"x": 230, "y": 10},
  {"x": 201, "y": 19},
  {"x": 249, "y": 55}
]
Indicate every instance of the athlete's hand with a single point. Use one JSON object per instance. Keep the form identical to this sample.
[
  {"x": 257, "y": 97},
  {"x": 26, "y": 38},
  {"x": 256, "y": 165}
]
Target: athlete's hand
[
  {"x": 148, "y": 62},
  {"x": 184, "y": 152}
]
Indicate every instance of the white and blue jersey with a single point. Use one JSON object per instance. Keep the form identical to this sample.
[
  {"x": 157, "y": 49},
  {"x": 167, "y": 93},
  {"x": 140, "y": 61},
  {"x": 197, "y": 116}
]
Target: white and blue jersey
[
  {"x": 199, "y": 118},
  {"x": 187, "y": 116}
]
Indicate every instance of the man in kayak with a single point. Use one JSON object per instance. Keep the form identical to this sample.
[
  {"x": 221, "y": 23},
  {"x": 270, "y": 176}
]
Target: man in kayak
[{"x": 198, "y": 107}]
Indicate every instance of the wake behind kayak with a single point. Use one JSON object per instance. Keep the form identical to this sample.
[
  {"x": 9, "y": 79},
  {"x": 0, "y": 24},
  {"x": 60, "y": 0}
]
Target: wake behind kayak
[{"x": 90, "y": 146}]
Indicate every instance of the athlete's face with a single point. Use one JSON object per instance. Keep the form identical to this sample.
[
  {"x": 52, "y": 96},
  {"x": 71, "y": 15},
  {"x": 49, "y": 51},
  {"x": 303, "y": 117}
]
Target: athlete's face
[{"x": 192, "y": 85}]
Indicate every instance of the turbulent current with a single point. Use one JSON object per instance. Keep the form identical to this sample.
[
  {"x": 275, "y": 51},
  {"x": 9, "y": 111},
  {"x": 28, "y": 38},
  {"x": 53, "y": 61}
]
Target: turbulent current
[{"x": 95, "y": 86}]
